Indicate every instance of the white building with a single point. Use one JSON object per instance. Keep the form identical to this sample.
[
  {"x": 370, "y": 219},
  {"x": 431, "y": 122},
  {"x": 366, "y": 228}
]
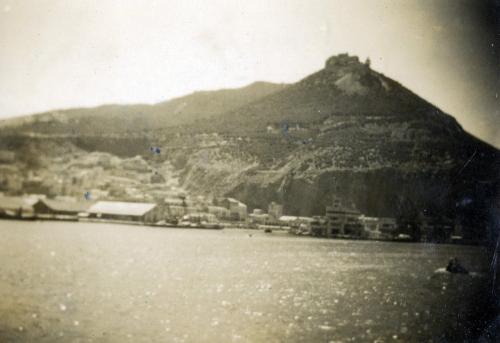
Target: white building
[{"x": 128, "y": 211}]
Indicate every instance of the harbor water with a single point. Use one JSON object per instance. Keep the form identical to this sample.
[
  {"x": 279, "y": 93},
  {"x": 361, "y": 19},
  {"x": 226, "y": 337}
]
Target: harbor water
[{"x": 94, "y": 282}]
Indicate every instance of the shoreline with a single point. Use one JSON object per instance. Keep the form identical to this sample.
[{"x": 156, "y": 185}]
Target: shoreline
[{"x": 223, "y": 226}]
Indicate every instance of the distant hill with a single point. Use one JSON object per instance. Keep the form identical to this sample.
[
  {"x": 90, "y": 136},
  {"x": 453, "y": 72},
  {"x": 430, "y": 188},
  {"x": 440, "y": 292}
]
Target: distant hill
[{"x": 108, "y": 119}]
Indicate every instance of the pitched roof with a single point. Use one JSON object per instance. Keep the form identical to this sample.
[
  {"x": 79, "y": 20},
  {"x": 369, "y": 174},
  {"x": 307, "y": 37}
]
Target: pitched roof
[
  {"x": 66, "y": 206},
  {"x": 14, "y": 203},
  {"x": 121, "y": 208}
]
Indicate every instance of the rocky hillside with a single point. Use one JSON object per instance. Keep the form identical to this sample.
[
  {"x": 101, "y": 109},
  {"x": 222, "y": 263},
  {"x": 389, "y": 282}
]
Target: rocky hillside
[
  {"x": 351, "y": 132},
  {"x": 345, "y": 131}
]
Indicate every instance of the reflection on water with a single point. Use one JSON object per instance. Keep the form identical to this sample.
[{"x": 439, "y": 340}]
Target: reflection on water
[{"x": 83, "y": 282}]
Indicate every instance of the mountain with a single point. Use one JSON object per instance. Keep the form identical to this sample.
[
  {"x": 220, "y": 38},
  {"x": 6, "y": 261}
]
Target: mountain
[
  {"x": 107, "y": 119},
  {"x": 345, "y": 132}
]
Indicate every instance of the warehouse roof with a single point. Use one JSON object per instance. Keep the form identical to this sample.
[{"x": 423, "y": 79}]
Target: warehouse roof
[
  {"x": 66, "y": 206},
  {"x": 121, "y": 208}
]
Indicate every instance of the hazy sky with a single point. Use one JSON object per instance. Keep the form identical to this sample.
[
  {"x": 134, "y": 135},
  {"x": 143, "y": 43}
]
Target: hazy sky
[{"x": 60, "y": 54}]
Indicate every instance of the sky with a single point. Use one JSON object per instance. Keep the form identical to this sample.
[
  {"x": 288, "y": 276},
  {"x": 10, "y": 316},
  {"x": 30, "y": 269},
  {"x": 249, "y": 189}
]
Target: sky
[{"x": 59, "y": 54}]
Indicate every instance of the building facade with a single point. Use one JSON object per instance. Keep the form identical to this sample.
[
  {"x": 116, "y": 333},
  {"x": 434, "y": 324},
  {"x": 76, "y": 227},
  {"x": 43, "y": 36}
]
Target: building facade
[
  {"x": 379, "y": 227},
  {"x": 343, "y": 221},
  {"x": 275, "y": 211},
  {"x": 237, "y": 209}
]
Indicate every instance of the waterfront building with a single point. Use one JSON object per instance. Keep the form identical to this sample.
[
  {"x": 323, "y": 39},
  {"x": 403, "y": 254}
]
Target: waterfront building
[
  {"x": 297, "y": 225},
  {"x": 199, "y": 218},
  {"x": 174, "y": 208},
  {"x": 288, "y": 220},
  {"x": 275, "y": 211},
  {"x": 343, "y": 220},
  {"x": 16, "y": 207},
  {"x": 371, "y": 226},
  {"x": 127, "y": 211},
  {"x": 319, "y": 226},
  {"x": 237, "y": 209},
  {"x": 52, "y": 208},
  {"x": 219, "y": 211},
  {"x": 379, "y": 227},
  {"x": 388, "y": 227},
  {"x": 258, "y": 217}
]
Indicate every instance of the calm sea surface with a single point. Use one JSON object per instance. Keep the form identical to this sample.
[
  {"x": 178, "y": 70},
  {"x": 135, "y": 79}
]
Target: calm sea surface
[{"x": 86, "y": 282}]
